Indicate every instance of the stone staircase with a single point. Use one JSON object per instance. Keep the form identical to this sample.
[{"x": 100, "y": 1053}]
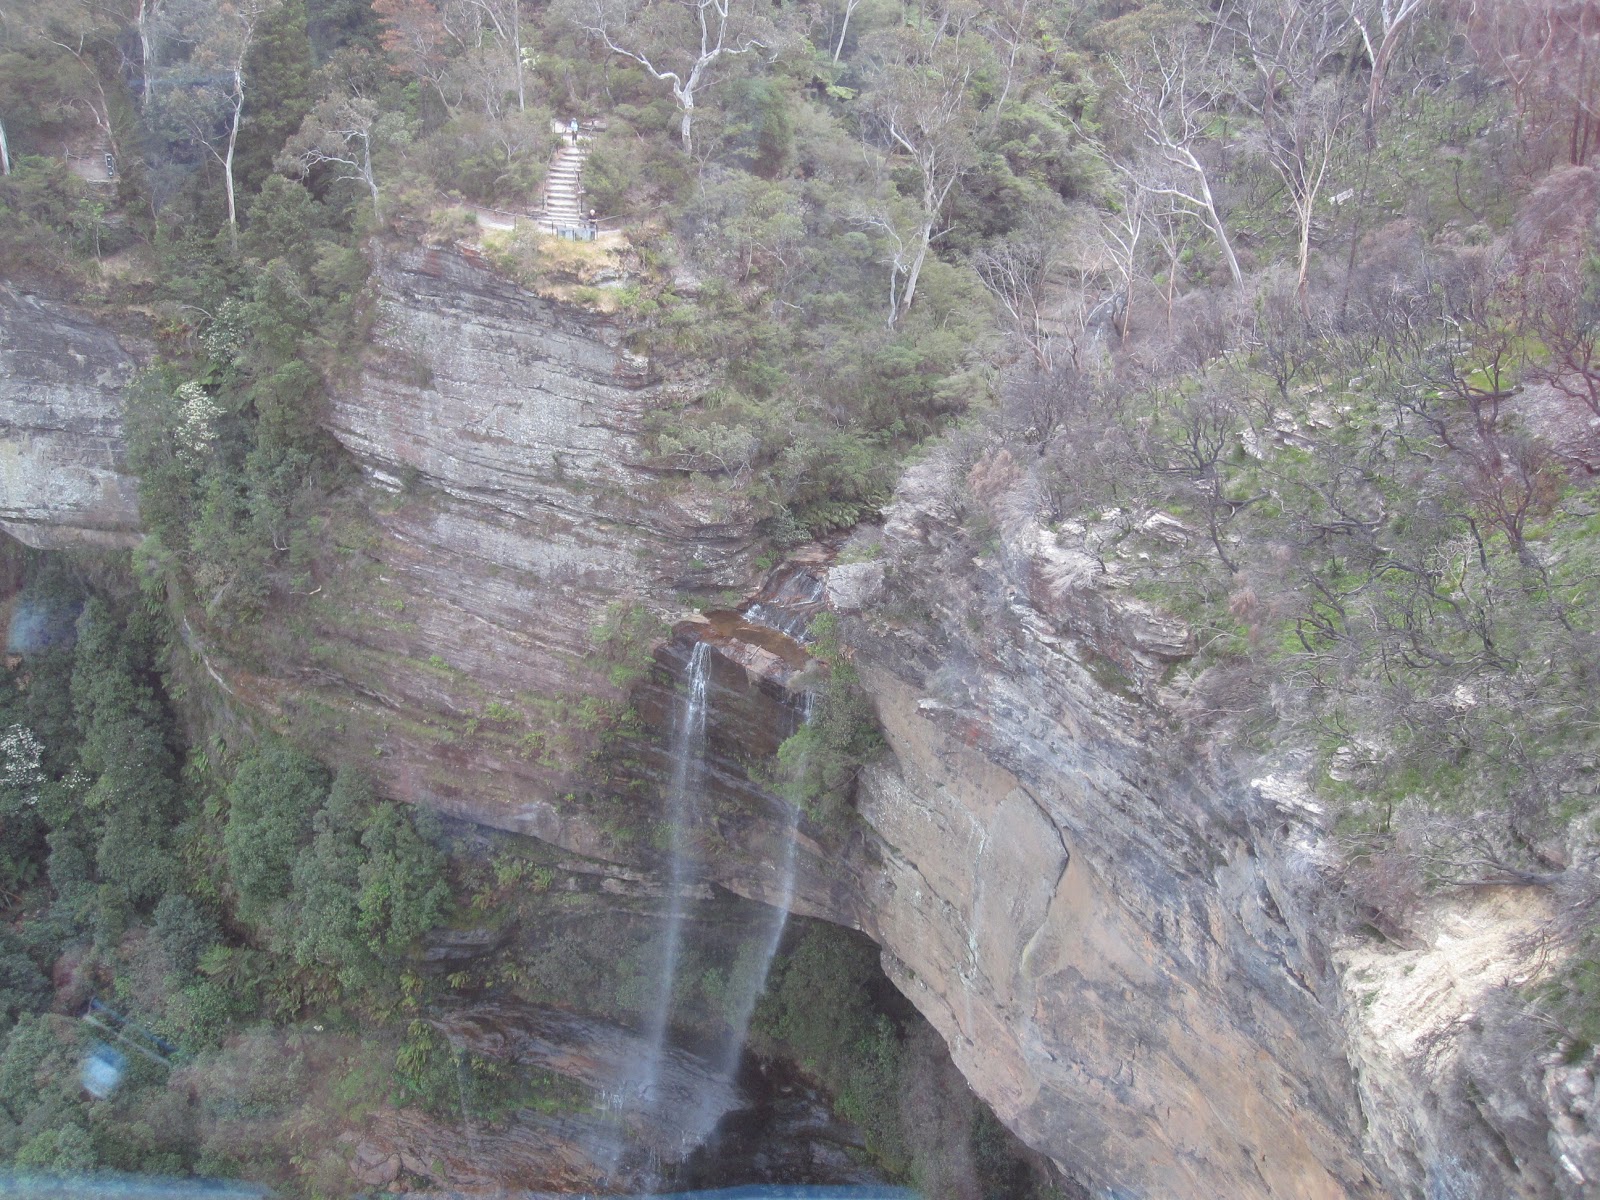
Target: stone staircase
[{"x": 563, "y": 193}]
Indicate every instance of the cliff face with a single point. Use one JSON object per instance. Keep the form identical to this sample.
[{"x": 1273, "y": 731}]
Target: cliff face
[
  {"x": 62, "y": 379},
  {"x": 1112, "y": 931},
  {"x": 1097, "y": 922},
  {"x": 1130, "y": 949},
  {"x": 484, "y": 624}
]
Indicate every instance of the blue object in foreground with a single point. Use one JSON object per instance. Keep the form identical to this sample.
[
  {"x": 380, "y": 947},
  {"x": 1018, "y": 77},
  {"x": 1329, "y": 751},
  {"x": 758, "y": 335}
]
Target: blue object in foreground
[
  {"x": 102, "y": 1070},
  {"x": 780, "y": 1191},
  {"x": 37, "y": 625},
  {"x": 133, "y": 1187},
  {"x": 137, "y": 1187}
]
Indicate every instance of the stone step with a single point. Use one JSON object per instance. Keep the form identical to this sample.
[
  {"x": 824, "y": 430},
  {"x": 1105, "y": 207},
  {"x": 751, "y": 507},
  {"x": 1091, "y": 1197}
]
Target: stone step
[{"x": 563, "y": 187}]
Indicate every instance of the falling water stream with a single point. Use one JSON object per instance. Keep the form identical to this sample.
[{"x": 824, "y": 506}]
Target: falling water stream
[
  {"x": 458, "y": 1052},
  {"x": 683, "y": 802},
  {"x": 791, "y": 610},
  {"x": 642, "y": 1091},
  {"x": 739, "y": 1027}
]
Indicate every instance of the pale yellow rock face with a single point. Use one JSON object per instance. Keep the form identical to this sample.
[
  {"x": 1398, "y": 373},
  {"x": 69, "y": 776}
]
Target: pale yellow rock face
[
  {"x": 1085, "y": 1028},
  {"x": 1409, "y": 1004}
]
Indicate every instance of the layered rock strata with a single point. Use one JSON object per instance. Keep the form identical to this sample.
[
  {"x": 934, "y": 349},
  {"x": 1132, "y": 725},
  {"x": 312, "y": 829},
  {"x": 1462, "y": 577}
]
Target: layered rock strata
[
  {"x": 1109, "y": 929},
  {"x": 63, "y": 377},
  {"x": 485, "y": 623},
  {"x": 1096, "y": 920}
]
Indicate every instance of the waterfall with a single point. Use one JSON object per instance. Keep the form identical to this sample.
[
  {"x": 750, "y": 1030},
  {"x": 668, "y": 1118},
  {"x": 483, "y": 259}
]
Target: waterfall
[
  {"x": 640, "y": 1085},
  {"x": 739, "y": 1026},
  {"x": 688, "y": 764},
  {"x": 458, "y": 1052},
  {"x": 696, "y": 1111},
  {"x": 790, "y": 611}
]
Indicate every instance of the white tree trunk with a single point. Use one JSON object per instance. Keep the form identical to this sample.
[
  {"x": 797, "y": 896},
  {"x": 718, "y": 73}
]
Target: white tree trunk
[
  {"x": 516, "y": 48},
  {"x": 849, "y": 10},
  {"x": 1208, "y": 207},
  {"x": 227, "y": 159},
  {"x": 368, "y": 175},
  {"x": 924, "y": 239},
  {"x": 5, "y": 151},
  {"x": 1215, "y": 222},
  {"x": 146, "y": 15},
  {"x": 686, "y": 101}
]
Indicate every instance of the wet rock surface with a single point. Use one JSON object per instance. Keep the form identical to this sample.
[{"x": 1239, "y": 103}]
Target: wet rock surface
[{"x": 778, "y": 1130}]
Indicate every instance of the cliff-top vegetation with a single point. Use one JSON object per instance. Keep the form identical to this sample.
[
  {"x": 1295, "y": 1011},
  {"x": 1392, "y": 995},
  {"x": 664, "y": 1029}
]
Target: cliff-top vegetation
[{"x": 1313, "y": 282}]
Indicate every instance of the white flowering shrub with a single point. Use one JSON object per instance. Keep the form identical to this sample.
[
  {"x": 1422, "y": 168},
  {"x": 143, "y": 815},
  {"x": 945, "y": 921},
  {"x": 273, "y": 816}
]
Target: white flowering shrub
[
  {"x": 20, "y": 773},
  {"x": 196, "y": 429},
  {"x": 225, "y": 337}
]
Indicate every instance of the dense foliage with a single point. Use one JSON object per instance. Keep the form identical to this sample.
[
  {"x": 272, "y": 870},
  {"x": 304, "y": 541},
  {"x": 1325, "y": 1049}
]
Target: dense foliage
[{"x": 176, "y": 913}]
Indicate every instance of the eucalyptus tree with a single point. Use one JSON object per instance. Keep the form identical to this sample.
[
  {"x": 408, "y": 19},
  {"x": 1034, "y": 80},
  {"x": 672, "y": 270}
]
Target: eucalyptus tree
[
  {"x": 85, "y": 37},
  {"x": 460, "y": 48},
  {"x": 1017, "y": 272},
  {"x": 210, "y": 101},
  {"x": 682, "y": 43},
  {"x": 850, "y": 7},
  {"x": 340, "y": 134},
  {"x": 348, "y": 131},
  {"x": 1173, "y": 90},
  {"x": 1294, "y": 46},
  {"x": 504, "y": 18},
  {"x": 919, "y": 107},
  {"x": 146, "y": 20},
  {"x": 1381, "y": 24}
]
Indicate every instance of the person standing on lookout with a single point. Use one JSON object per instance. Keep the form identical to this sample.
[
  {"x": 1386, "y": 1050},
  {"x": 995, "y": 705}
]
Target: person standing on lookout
[{"x": 572, "y": 128}]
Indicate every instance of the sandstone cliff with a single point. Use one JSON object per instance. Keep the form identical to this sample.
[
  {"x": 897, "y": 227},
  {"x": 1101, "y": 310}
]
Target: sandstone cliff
[
  {"x": 1113, "y": 931},
  {"x": 1096, "y": 921},
  {"x": 459, "y": 639},
  {"x": 62, "y": 381}
]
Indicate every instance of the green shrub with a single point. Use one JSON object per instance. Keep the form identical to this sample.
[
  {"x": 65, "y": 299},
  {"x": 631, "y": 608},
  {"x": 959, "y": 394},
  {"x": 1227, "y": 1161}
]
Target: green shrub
[
  {"x": 818, "y": 1007},
  {"x": 818, "y": 764},
  {"x": 270, "y": 804}
]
